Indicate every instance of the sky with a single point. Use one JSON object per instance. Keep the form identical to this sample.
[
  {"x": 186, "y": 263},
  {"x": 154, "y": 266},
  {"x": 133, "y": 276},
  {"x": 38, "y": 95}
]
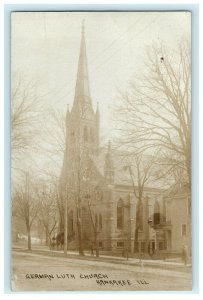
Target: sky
[{"x": 45, "y": 48}]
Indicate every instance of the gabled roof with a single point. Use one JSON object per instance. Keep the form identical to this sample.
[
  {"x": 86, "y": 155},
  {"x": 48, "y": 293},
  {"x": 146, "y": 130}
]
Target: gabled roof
[{"x": 122, "y": 162}]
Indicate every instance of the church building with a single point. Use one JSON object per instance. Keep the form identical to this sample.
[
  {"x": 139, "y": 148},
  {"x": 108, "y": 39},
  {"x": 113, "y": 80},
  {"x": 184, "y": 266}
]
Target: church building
[{"x": 100, "y": 193}]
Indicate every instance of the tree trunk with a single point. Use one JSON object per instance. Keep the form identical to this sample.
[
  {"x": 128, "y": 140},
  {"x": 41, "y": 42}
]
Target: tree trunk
[
  {"x": 81, "y": 252},
  {"x": 96, "y": 245},
  {"x": 137, "y": 225},
  {"x": 29, "y": 238},
  {"x": 47, "y": 237},
  {"x": 65, "y": 247},
  {"x": 94, "y": 226}
]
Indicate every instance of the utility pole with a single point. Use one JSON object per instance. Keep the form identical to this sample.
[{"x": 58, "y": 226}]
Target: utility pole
[
  {"x": 27, "y": 195},
  {"x": 66, "y": 221}
]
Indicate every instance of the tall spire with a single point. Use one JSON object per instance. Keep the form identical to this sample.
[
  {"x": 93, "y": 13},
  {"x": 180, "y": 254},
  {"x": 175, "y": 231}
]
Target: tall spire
[{"x": 82, "y": 91}]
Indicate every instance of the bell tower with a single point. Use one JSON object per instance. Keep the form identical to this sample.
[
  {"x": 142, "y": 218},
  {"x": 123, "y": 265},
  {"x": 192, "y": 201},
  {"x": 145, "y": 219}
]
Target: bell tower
[{"x": 82, "y": 140}]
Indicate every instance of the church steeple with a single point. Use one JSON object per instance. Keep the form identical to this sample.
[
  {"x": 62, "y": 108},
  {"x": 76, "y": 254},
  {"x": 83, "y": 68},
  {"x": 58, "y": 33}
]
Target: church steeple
[
  {"x": 82, "y": 99},
  {"x": 82, "y": 123}
]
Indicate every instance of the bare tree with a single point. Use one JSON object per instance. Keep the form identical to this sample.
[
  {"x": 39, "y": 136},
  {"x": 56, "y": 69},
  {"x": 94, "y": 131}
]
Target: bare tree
[
  {"x": 76, "y": 169},
  {"x": 71, "y": 190},
  {"x": 93, "y": 197},
  {"x": 80, "y": 167},
  {"x": 48, "y": 214},
  {"x": 141, "y": 173},
  {"x": 54, "y": 137},
  {"x": 155, "y": 113},
  {"x": 80, "y": 178},
  {"x": 26, "y": 206},
  {"x": 25, "y": 108}
]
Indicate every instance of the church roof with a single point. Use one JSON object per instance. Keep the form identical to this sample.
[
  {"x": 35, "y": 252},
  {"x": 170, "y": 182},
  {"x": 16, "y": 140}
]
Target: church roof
[{"x": 121, "y": 164}]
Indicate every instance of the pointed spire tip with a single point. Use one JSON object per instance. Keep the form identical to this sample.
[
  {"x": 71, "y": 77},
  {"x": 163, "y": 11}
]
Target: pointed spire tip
[{"x": 83, "y": 26}]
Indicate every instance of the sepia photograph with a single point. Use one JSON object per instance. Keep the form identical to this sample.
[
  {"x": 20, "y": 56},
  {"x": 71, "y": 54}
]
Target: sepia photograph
[{"x": 101, "y": 151}]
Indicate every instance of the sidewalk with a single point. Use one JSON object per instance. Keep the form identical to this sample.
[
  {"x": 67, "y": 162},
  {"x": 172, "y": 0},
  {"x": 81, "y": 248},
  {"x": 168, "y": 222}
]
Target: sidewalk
[{"x": 159, "y": 264}]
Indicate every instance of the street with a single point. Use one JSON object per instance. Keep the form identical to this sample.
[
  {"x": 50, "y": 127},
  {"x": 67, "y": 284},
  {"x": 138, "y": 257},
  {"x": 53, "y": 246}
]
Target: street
[{"x": 37, "y": 272}]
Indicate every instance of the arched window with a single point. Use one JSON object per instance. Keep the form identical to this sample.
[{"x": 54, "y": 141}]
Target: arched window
[
  {"x": 120, "y": 214},
  {"x": 85, "y": 134},
  {"x": 100, "y": 221},
  {"x": 156, "y": 213},
  {"x": 70, "y": 222},
  {"x": 164, "y": 211}
]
